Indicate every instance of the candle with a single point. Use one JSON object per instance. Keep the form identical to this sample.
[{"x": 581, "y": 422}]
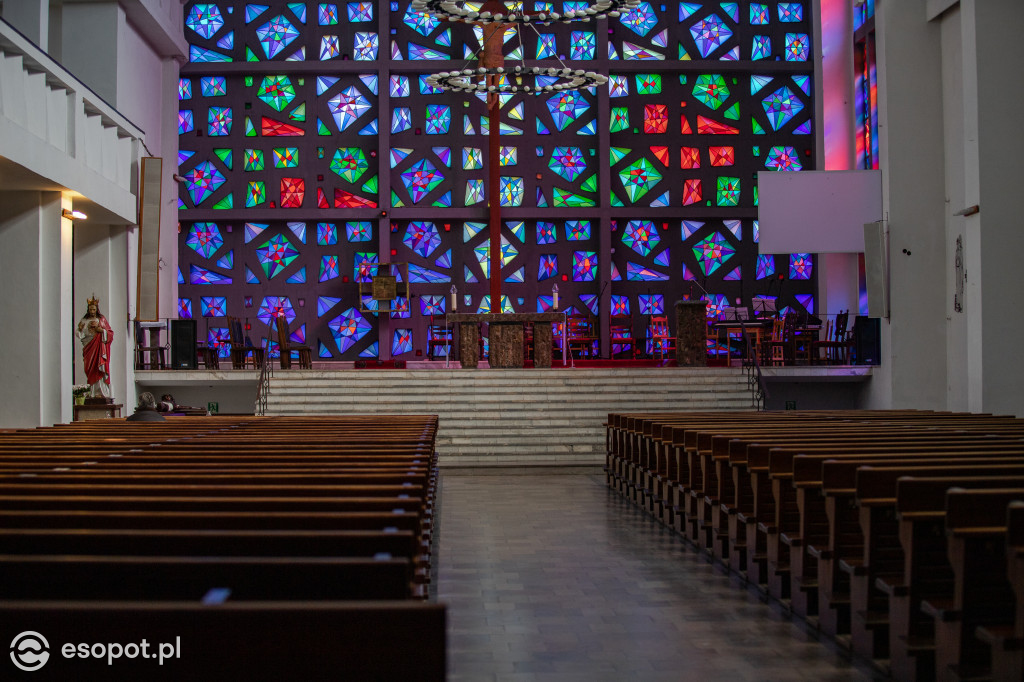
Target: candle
[{"x": 454, "y": 304}]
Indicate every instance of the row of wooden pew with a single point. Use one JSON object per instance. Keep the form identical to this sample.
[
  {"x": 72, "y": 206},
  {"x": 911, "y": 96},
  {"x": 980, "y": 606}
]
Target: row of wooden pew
[
  {"x": 898, "y": 533},
  {"x": 267, "y": 547}
]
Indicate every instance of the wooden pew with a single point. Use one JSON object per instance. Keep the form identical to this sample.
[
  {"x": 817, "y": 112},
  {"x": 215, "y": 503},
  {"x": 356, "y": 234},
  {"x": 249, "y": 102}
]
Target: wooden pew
[{"x": 982, "y": 594}]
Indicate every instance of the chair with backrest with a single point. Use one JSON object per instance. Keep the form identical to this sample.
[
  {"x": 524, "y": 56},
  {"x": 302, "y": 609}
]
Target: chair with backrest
[
  {"x": 837, "y": 345},
  {"x": 242, "y": 350},
  {"x": 439, "y": 338},
  {"x": 663, "y": 342},
  {"x": 286, "y": 347},
  {"x": 157, "y": 358},
  {"x": 582, "y": 336},
  {"x": 623, "y": 341},
  {"x": 780, "y": 350}
]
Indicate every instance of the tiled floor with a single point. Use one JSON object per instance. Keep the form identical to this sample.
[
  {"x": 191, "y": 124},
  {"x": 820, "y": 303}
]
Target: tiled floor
[{"x": 554, "y": 577}]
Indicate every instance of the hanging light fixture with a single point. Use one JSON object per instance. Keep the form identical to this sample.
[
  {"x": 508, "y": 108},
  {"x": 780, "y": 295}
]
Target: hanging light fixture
[{"x": 490, "y": 76}]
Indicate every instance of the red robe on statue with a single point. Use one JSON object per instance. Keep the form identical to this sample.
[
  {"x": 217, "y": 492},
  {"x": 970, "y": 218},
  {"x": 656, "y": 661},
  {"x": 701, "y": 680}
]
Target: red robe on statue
[{"x": 96, "y": 353}]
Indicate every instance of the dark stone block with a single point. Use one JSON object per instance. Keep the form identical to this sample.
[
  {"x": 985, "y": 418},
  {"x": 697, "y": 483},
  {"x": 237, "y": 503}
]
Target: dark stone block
[{"x": 691, "y": 334}]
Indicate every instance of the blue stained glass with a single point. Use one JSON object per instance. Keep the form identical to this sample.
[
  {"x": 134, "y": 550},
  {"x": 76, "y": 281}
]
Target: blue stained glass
[
  {"x": 547, "y": 233},
  {"x": 360, "y": 11},
  {"x": 399, "y": 86},
  {"x": 213, "y": 86},
  {"x": 358, "y": 231},
  {"x": 365, "y": 47},
  {"x": 709, "y": 34},
  {"x": 276, "y": 35},
  {"x": 798, "y": 47},
  {"x": 205, "y": 19},
  {"x": 199, "y": 55},
  {"x": 401, "y": 119},
  {"x": 640, "y": 20},
  {"x": 758, "y": 14},
  {"x": 439, "y": 119},
  {"x": 791, "y": 12},
  {"x": 326, "y": 234}
]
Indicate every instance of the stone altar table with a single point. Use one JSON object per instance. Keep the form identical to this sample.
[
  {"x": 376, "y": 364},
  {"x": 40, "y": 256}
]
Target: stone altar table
[{"x": 506, "y": 337}]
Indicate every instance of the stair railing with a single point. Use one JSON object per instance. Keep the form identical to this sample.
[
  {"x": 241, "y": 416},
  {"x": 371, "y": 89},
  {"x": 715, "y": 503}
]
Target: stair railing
[
  {"x": 752, "y": 367},
  {"x": 263, "y": 385}
]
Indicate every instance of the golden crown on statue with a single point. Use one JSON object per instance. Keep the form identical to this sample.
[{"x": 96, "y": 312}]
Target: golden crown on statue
[{"x": 93, "y": 300}]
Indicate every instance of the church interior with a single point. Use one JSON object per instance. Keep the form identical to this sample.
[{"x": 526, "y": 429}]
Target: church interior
[{"x": 512, "y": 339}]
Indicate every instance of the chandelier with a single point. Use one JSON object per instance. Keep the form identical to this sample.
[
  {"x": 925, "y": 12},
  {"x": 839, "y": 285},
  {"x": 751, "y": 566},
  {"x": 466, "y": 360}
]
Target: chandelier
[
  {"x": 450, "y": 10},
  {"x": 491, "y": 76}
]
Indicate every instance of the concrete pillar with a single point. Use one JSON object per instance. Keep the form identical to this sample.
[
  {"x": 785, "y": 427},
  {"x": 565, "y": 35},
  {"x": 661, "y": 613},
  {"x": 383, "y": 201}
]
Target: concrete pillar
[
  {"x": 993, "y": 178},
  {"x": 35, "y": 277},
  {"x": 913, "y": 202}
]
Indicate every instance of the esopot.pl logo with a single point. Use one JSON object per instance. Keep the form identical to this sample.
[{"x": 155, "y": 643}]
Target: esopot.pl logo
[{"x": 30, "y": 651}]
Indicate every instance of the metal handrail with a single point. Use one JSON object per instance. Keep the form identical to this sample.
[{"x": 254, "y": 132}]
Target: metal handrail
[
  {"x": 755, "y": 379},
  {"x": 263, "y": 385}
]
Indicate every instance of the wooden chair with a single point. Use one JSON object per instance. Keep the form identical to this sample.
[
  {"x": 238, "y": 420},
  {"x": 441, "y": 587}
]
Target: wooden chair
[
  {"x": 582, "y": 336},
  {"x": 242, "y": 350},
  {"x": 287, "y": 347},
  {"x": 622, "y": 336},
  {"x": 773, "y": 348},
  {"x": 663, "y": 342},
  {"x": 157, "y": 358},
  {"x": 837, "y": 345},
  {"x": 439, "y": 338}
]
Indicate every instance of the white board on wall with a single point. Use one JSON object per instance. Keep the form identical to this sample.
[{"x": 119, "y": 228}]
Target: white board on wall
[{"x": 817, "y": 211}]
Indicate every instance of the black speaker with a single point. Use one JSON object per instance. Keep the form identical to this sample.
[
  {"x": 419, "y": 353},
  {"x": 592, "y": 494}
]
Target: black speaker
[
  {"x": 867, "y": 340},
  {"x": 183, "y": 344}
]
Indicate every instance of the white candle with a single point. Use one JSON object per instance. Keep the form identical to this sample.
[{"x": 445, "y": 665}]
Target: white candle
[{"x": 554, "y": 300}]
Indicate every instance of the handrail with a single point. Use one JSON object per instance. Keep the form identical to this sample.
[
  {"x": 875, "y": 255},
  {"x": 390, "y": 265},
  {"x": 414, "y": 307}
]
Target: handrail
[
  {"x": 263, "y": 386},
  {"x": 755, "y": 379}
]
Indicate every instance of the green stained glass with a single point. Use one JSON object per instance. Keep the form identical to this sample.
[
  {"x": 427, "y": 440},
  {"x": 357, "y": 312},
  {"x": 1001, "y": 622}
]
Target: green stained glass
[
  {"x": 618, "y": 154},
  {"x": 226, "y": 202},
  {"x": 321, "y": 129},
  {"x": 350, "y": 163},
  {"x": 566, "y": 198},
  {"x": 590, "y": 184},
  {"x": 711, "y": 90},
  {"x": 370, "y": 185},
  {"x": 225, "y": 156},
  {"x": 733, "y": 112},
  {"x": 276, "y": 91},
  {"x": 648, "y": 84},
  {"x": 728, "y": 191},
  {"x": 286, "y": 157},
  {"x": 250, "y": 129},
  {"x": 619, "y": 119},
  {"x": 250, "y": 56},
  {"x": 253, "y": 160},
  {"x": 298, "y": 113},
  {"x": 638, "y": 178},
  {"x": 256, "y": 194}
]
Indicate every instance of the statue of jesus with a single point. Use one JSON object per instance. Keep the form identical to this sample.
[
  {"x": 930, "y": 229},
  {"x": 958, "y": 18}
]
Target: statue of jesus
[{"x": 96, "y": 335}]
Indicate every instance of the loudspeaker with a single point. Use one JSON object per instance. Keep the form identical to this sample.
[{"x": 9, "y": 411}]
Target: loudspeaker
[
  {"x": 183, "y": 344},
  {"x": 867, "y": 340},
  {"x": 147, "y": 291},
  {"x": 876, "y": 269}
]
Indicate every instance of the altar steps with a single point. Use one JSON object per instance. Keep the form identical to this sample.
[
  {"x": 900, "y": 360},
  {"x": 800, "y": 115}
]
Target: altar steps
[{"x": 511, "y": 417}]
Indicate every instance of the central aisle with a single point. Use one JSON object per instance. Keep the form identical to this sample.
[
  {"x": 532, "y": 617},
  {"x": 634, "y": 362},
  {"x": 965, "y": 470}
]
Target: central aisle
[{"x": 553, "y": 577}]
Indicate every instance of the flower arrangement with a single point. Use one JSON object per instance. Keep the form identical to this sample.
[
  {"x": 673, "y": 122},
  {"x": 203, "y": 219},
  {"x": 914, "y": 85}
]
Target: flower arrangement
[{"x": 79, "y": 392}]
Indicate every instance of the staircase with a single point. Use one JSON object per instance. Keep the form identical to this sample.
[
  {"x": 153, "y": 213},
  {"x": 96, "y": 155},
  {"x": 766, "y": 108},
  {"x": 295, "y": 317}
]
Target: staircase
[{"x": 511, "y": 417}]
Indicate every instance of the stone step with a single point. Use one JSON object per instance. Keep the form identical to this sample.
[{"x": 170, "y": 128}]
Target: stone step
[{"x": 512, "y": 417}]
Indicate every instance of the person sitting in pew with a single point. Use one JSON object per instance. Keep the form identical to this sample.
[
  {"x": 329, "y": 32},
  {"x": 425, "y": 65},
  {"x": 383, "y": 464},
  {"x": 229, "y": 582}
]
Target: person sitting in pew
[{"x": 146, "y": 411}]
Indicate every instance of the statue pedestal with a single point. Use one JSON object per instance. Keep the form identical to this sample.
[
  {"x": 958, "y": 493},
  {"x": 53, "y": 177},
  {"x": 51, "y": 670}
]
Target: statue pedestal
[
  {"x": 96, "y": 411},
  {"x": 691, "y": 334}
]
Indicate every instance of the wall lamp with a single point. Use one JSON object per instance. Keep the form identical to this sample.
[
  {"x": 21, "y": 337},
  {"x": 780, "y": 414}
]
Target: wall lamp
[{"x": 72, "y": 215}]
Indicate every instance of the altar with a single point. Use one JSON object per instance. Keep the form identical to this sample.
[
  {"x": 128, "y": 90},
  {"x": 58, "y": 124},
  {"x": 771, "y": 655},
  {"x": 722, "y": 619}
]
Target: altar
[{"x": 506, "y": 335}]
